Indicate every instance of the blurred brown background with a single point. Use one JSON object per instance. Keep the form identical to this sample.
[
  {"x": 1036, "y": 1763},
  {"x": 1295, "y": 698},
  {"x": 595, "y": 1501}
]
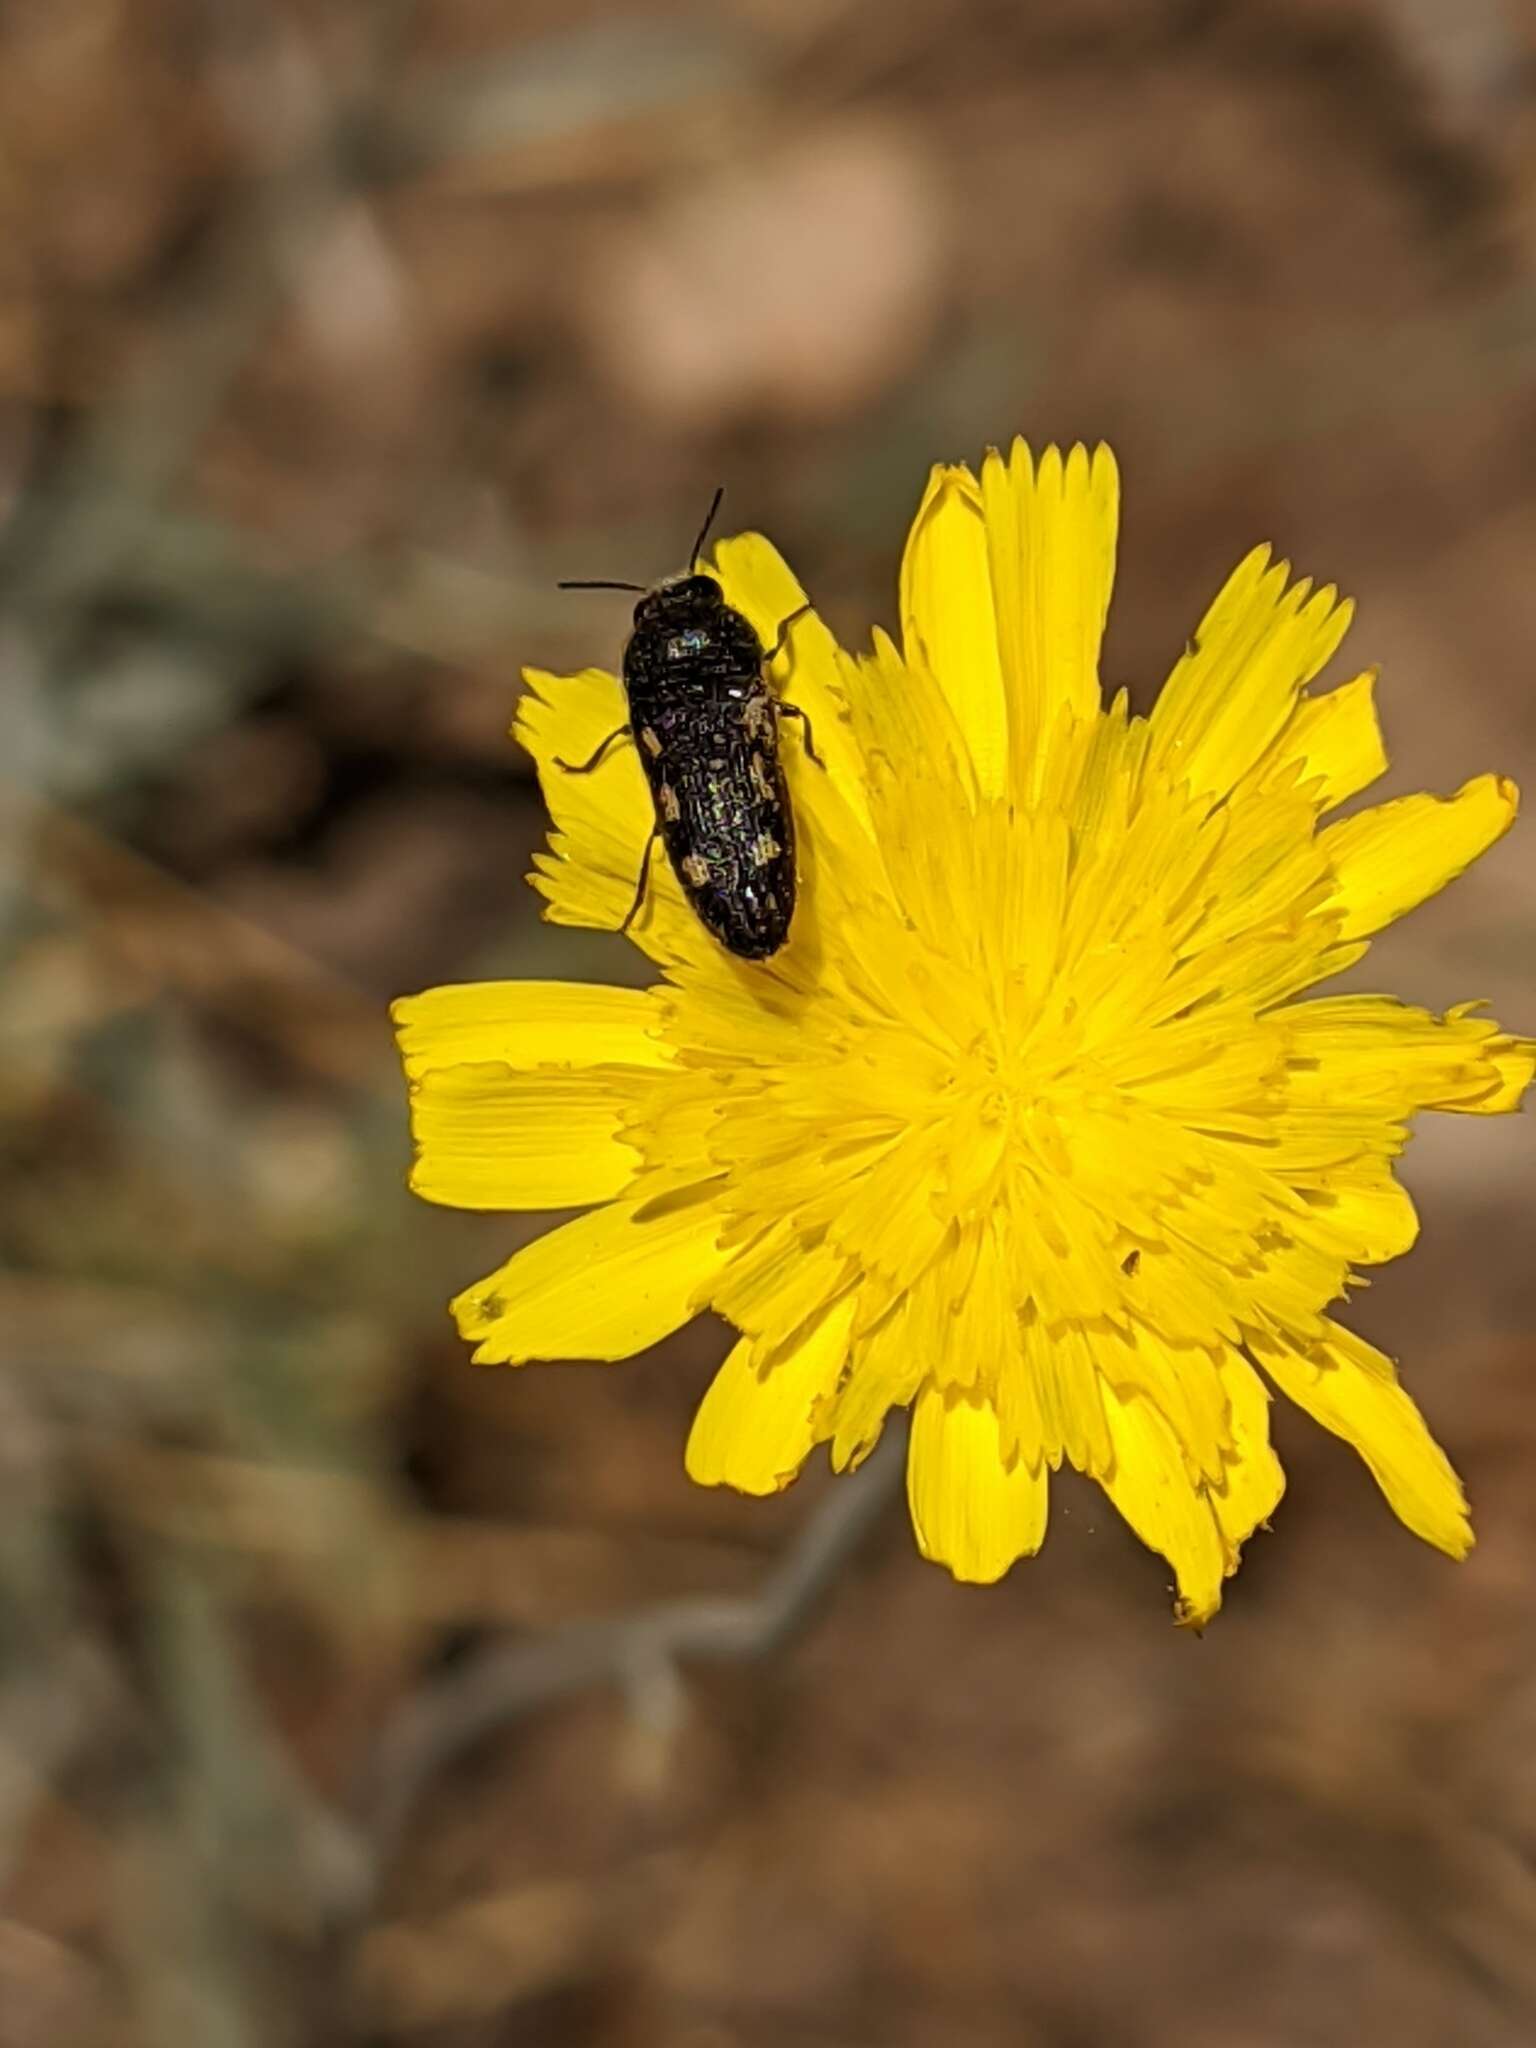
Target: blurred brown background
[{"x": 330, "y": 335}]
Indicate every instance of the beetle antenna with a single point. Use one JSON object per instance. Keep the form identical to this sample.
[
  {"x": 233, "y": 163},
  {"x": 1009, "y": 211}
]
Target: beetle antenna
[
  {"x": 709, "y": 520},
  {"x": 570, "y": 585}
]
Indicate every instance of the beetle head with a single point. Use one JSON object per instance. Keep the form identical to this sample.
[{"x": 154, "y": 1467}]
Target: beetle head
[{"x": 680, "y": 602}]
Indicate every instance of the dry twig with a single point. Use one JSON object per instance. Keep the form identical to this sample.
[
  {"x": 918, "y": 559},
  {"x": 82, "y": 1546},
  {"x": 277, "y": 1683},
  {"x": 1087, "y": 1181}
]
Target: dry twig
[{"x": 639, "y": 1651}]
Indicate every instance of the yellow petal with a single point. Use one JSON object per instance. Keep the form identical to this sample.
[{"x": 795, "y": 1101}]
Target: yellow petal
[
  {"x": 529, "y": 1024},
  {"x": 601, "y": 821},
  {"x": 1059, "y": 1377},
  {"x": 884, "y": 1374},
  {"x": 754, "y": 1427},
  {"x": 1351, "y": 1388},
  {"x": 602, "y": 1287},
  {"x": 1514, "y": 1062},
  {"x": 489, "y": 1138},
  {"x": 1367, "y": 1213},
  {"x": 1351, "y": 1056},
  {"x": 776, "y": 1283},
  {"x": 918, "y": 780},
  {"x": 1150, "y": 1484},
  {"x": 1181, "y": 1380},
  {"x": 1051, "y": 537},
  {"x": 761, "y": 585},
  {"x": 947, "y": 620},
  {"x": 1336, "y": 740},
  {"x": 969, "y": 1511},
  {"x": 1254, "y": 1481},
  {"x": 1390, "y": 859},
  {"x": 1237, "y": 683},
  {"x": 607, "y": 813}
]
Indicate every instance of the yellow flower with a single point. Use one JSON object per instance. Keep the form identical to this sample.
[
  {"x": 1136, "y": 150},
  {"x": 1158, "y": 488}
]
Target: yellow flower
[{"x": 1027, "y": 1128}]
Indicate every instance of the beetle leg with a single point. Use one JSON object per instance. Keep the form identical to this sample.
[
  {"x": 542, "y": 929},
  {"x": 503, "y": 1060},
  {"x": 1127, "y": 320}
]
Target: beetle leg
[
  {"x": 586, "y": 767},
  {"x": 645, "y": 873},
  {"x": 794, "y": 711},
  {"x": 778, "y": 646}
]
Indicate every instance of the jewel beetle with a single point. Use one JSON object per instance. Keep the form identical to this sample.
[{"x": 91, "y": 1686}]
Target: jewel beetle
[{"x": 705, "y": 724}]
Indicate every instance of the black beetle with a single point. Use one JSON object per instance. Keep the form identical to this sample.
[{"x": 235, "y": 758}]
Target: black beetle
[{"x": 706, "y": 726}]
